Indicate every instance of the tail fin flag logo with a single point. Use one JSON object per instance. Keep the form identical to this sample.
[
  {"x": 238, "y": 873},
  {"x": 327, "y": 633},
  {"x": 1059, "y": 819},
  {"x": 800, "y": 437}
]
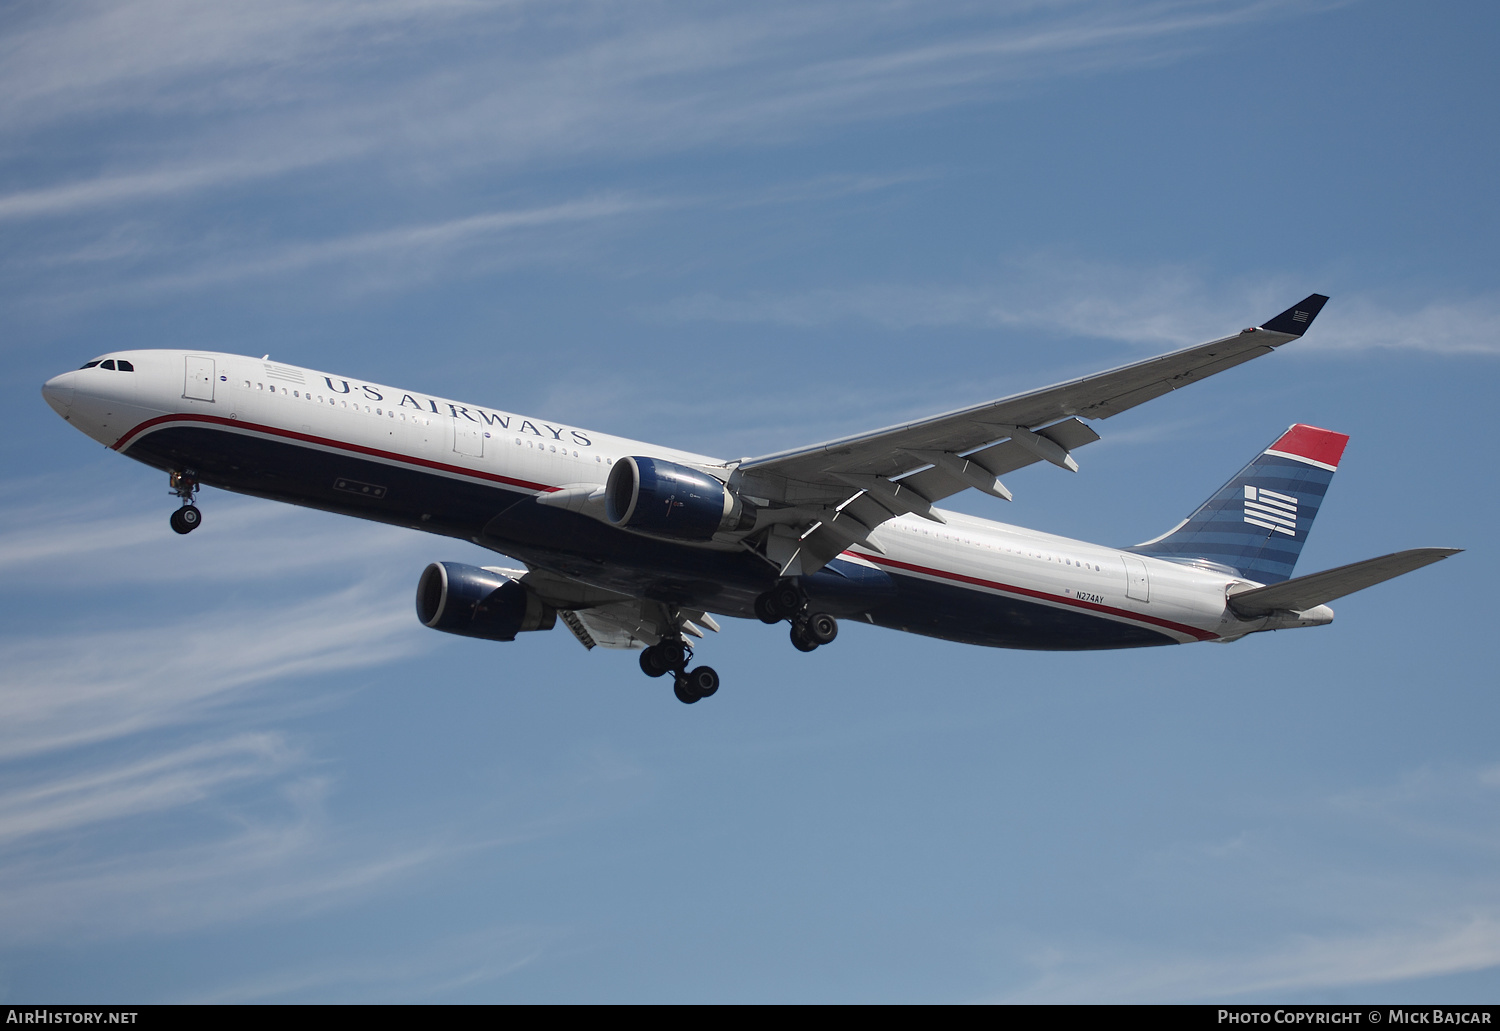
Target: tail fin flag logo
[{"x": 1271, "y": 509}]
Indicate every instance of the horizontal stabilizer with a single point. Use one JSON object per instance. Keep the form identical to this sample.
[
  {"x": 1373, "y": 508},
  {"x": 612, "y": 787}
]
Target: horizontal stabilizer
[{"x": 1305, "y": 592}]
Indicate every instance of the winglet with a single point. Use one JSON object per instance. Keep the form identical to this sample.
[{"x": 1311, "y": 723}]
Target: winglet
[{"x": 1295, "y": 320}]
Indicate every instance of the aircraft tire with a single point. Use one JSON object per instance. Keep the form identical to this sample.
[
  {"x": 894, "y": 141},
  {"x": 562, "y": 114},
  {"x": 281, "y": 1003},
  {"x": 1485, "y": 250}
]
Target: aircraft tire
[
  {"x": 703, "y": 681},
  {"x": 186, "y": 519},
  {"x": 786, "y": 600},
  {"x": 649, "y": 664},
  {"x": 672, "y": 655},
  {"x": 800, "y": 640},
  {"x": 821, "y": 628},
  {"x": 764, "y": 611},
  {"x": 683, "y": 689}
]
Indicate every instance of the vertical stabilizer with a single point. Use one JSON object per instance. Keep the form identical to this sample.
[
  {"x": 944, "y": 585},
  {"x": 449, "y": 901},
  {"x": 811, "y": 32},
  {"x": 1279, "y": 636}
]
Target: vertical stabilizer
[{"x": 1257, "y": 523}]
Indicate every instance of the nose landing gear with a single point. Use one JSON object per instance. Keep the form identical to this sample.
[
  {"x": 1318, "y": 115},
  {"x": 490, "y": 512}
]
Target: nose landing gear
[
  {"x": 788, "y": 601},
  {"x": 672, "y": 655},
  {"x": 187, "y": 518}
]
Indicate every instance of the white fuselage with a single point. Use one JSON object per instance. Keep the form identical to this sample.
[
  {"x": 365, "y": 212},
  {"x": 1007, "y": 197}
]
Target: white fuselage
[{"x": 250, "y": 399}]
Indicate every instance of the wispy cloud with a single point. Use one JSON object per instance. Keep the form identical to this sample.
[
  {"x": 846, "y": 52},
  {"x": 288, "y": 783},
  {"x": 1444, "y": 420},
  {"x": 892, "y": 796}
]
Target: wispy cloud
[
  {"x": 1309, "y": 963},
  {"x": 142, "y": 792},
  {"x": 80, "y": 798},
  {"x": 89, "y": 540},
  {"x": 431, "y": 971},
  {"x": 78, "y": 196},
  {"x": 402, "y": 256},
  {"x": 64, "y": 690},
  {"x": 1160, "y": 307},
  {"x": 1463, "y": 325},
  {"x": 1403, "y": 910},
  {"x": 268, "y": 859},
  {"x": 71, "y": 685},
  {"x": 413, "y": 247},
  {"x": 208, "y": 97}
]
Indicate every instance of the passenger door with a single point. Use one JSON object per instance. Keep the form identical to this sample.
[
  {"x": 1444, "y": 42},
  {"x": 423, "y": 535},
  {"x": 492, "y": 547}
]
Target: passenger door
[
  {"x": 468, "y": 438},
  {"x": 198, "y": 378},
  {"x": 1137, "y": 582}
]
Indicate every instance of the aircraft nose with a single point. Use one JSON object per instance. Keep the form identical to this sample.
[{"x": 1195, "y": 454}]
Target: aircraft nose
[{"x": 59, "y": 392}]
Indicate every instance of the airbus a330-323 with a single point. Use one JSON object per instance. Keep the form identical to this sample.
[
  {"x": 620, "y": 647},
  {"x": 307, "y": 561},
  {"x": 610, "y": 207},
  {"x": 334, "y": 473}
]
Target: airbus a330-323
[{"x": 631, "y": 545}]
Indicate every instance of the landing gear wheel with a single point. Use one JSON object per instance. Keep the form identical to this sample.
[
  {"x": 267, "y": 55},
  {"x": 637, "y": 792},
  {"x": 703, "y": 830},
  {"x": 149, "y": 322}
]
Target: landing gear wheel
[
  {"x": 665, "y": 656},
  {"x": 650, "y": 663},
  {"x": 785, "y": 599},
  {"x": 820, "y": 628},
  {"x": 672, "y": 654},
  {"x": 764, "y": 610},
  {"x": 703, "y": 681},
  {"x": 800, "y": 640},
  {"x": 682, "y": 687},
  {"x": 186, "y": 519}
]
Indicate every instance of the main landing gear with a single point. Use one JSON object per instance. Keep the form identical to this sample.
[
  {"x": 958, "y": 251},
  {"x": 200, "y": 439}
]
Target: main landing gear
[
  {"x": 788, "y": 601},
  {"x": 672, "y": 655},
  {"x": 186, "y": 518}
]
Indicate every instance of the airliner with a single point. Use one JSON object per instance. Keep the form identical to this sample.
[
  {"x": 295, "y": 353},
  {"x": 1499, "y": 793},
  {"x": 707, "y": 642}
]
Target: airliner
[{"x": 636, "y": 546}]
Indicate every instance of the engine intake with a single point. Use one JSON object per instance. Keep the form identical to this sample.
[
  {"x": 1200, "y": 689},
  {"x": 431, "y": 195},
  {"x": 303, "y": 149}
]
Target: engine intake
[
  {"x": 474, "y": 602},
  {"x": 665, "y": 499}
]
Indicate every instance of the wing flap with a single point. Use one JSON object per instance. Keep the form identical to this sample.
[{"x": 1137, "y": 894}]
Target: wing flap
[{"x": 592, "y": 628}]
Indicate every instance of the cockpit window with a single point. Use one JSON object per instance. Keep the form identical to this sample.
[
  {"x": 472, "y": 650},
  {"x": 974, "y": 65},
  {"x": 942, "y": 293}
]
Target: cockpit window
[
  {"x": 110, "y": 365},
  {"x": 89, "y": 365},
  {"x": 124, "y": 366}
]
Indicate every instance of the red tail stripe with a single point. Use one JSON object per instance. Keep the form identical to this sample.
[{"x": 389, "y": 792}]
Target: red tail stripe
[{"x": 1311, "y": 442}]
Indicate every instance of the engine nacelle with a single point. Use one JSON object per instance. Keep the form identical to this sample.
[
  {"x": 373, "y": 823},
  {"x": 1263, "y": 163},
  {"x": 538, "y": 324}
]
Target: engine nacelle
[
  {"x": 665, "y": 499},
  {"x": 474, "y": 602}
]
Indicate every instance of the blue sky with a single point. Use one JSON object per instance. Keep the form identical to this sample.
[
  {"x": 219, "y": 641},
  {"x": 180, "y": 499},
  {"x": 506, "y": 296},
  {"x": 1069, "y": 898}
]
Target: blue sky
[{"x": 234, "y": 767}]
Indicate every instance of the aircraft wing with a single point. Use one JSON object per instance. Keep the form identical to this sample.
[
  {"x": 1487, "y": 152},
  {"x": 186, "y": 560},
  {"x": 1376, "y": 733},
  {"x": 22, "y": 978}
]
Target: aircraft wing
[
  {"x": 607, "y": 619},
  {"x": 833, "y": 494}
]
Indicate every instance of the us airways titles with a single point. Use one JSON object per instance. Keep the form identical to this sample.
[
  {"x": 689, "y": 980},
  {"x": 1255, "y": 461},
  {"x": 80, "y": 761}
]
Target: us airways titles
[{"x": 459, "y": 411}]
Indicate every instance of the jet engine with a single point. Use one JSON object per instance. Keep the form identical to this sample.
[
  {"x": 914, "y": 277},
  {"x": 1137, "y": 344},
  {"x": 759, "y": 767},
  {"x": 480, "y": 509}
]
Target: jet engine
[
  {"x": 474, "y": 602},
  {"x": 665, "y": 499}
]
